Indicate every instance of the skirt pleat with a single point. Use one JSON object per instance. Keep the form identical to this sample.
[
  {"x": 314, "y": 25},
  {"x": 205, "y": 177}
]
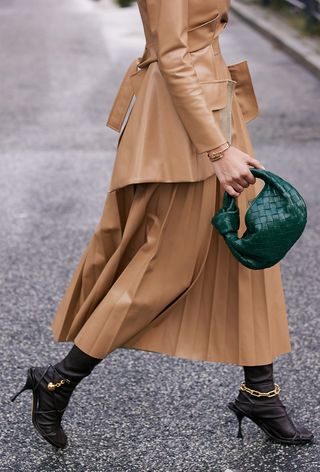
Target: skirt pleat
[{"x": 157, "y": 276}]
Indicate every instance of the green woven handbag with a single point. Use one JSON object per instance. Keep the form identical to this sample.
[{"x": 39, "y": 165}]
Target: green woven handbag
[{"x": 274, "y": 221}]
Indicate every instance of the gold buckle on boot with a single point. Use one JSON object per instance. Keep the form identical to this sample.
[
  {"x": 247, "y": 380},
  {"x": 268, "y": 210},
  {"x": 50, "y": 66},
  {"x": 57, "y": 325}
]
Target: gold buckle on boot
[
  {"x": 52, "y": 386},
  {"x": 257, "y": 393}
]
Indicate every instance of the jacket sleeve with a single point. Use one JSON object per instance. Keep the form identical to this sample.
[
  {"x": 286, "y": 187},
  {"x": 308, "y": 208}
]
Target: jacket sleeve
[{"x": 176, "y": 66}]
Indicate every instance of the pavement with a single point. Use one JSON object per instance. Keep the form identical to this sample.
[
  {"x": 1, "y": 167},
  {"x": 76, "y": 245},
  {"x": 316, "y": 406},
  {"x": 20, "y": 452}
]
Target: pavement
[
  {"x": 60, "y": 66},
  {"x": 304, "y": 48}
]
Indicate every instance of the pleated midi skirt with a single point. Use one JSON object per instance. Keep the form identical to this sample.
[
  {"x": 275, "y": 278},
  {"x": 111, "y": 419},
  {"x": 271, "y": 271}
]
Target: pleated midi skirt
[{"x": 157, "y": 276}]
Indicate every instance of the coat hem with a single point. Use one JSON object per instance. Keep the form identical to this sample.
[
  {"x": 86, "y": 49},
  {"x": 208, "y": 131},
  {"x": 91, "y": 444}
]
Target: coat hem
[{"x": 153, "y": 181}]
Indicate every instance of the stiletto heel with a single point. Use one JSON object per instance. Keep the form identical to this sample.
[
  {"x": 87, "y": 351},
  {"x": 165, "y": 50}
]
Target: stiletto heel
[
  {"x": 52, "y": 387},
  {"x": 239, "y": 416},
  {"x": 269, "y": 414},
  {"x": 27, "y": 386}
]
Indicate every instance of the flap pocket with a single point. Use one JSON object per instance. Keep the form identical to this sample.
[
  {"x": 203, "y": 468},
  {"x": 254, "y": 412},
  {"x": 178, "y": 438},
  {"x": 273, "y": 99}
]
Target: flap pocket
[
  {"x": 218, "y": 95},
  {"x": 244, "y": 90},
  {"x": 217, "y": 92}
]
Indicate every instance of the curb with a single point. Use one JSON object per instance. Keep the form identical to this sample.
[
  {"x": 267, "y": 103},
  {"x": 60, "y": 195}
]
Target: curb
[{"x": 300, "y": 49}]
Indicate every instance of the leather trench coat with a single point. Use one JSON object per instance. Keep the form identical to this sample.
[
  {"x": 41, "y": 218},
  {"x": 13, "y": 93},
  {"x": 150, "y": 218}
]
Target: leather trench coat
[{"x": 180, "y": 98}]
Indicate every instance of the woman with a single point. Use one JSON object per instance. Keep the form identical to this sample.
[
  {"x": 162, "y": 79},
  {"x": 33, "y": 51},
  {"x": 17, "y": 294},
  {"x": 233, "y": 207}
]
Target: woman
[{"x": 156, "y": 275}]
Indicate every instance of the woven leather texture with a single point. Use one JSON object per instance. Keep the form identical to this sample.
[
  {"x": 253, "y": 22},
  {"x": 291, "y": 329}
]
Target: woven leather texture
[{"x": 274, "y": 221}]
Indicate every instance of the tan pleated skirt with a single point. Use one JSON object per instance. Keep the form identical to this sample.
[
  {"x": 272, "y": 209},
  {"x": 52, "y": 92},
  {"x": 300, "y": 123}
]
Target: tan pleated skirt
[{"x": 157, "y": 276}]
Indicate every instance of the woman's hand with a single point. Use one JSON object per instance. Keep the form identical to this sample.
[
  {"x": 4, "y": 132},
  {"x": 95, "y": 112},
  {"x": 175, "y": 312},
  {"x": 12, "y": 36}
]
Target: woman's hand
[{"x": 233, "y": 170}]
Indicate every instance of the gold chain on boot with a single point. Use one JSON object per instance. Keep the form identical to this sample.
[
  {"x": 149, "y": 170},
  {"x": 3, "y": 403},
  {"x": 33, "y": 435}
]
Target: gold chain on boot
[
  {"x": 52, "y": 386},
  {"x": 257, "y": 393}
]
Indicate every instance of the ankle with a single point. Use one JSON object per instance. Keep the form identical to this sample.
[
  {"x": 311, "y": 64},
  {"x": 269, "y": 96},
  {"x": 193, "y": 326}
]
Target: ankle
[
  {"x": 250, "y": 396},
  {"x": 70, "y": 380},
  {"x": 260, "y": 387},
  {"x": 259, "y": 377},
  {"x": 76, "y": 365}
]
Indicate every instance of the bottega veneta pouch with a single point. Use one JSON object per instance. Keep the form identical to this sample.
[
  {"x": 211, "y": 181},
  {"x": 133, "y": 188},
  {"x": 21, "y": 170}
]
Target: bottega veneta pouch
[{"x": 274, "y": 221}]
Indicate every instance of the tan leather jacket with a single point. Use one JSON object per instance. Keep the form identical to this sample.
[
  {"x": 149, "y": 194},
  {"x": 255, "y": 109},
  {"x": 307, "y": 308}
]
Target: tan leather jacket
[{"x": 183, "y": 92}]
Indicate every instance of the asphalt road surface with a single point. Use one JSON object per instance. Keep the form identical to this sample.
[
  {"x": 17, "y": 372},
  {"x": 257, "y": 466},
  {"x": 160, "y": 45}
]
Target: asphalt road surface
[{"x": 61, "y": 63}]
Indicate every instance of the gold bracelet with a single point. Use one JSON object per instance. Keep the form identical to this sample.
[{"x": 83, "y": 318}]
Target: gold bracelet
[{"x": 214, "y": 156}]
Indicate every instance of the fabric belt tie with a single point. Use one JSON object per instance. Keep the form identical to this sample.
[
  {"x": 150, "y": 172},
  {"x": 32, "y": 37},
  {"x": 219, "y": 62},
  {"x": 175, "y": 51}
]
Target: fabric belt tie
[{"x": 122, "y": 100}]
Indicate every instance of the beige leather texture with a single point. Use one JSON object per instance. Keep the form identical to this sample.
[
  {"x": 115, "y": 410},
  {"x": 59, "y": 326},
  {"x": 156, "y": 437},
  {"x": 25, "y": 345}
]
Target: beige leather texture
[
  {"x": 156, "y": 275},
  {"x": 182, "y": 95}
]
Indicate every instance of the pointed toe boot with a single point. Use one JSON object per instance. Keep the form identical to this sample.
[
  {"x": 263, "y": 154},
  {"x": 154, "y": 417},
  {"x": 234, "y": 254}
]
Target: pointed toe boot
[{"x": 52, "y": 387}]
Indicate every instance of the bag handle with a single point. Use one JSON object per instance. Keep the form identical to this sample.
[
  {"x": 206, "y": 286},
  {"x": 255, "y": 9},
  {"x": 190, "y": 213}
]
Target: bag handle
[{"x": 227, "y": 219}]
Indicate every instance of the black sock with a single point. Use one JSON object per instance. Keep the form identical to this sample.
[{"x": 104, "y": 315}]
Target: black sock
[
  {"x": 77, "y": 364},
  {"x": 259, "y": 377}
]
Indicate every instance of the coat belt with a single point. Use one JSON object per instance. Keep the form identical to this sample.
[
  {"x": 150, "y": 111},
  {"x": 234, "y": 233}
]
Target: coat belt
[
  {"x": 123, "y": 99},
  {"x": 125, "y": 92}
]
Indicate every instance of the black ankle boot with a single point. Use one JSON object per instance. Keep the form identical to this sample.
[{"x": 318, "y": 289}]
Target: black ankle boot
[
  {"x": 258, "y": 399},
  {"x": 52, "y": 387}
]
